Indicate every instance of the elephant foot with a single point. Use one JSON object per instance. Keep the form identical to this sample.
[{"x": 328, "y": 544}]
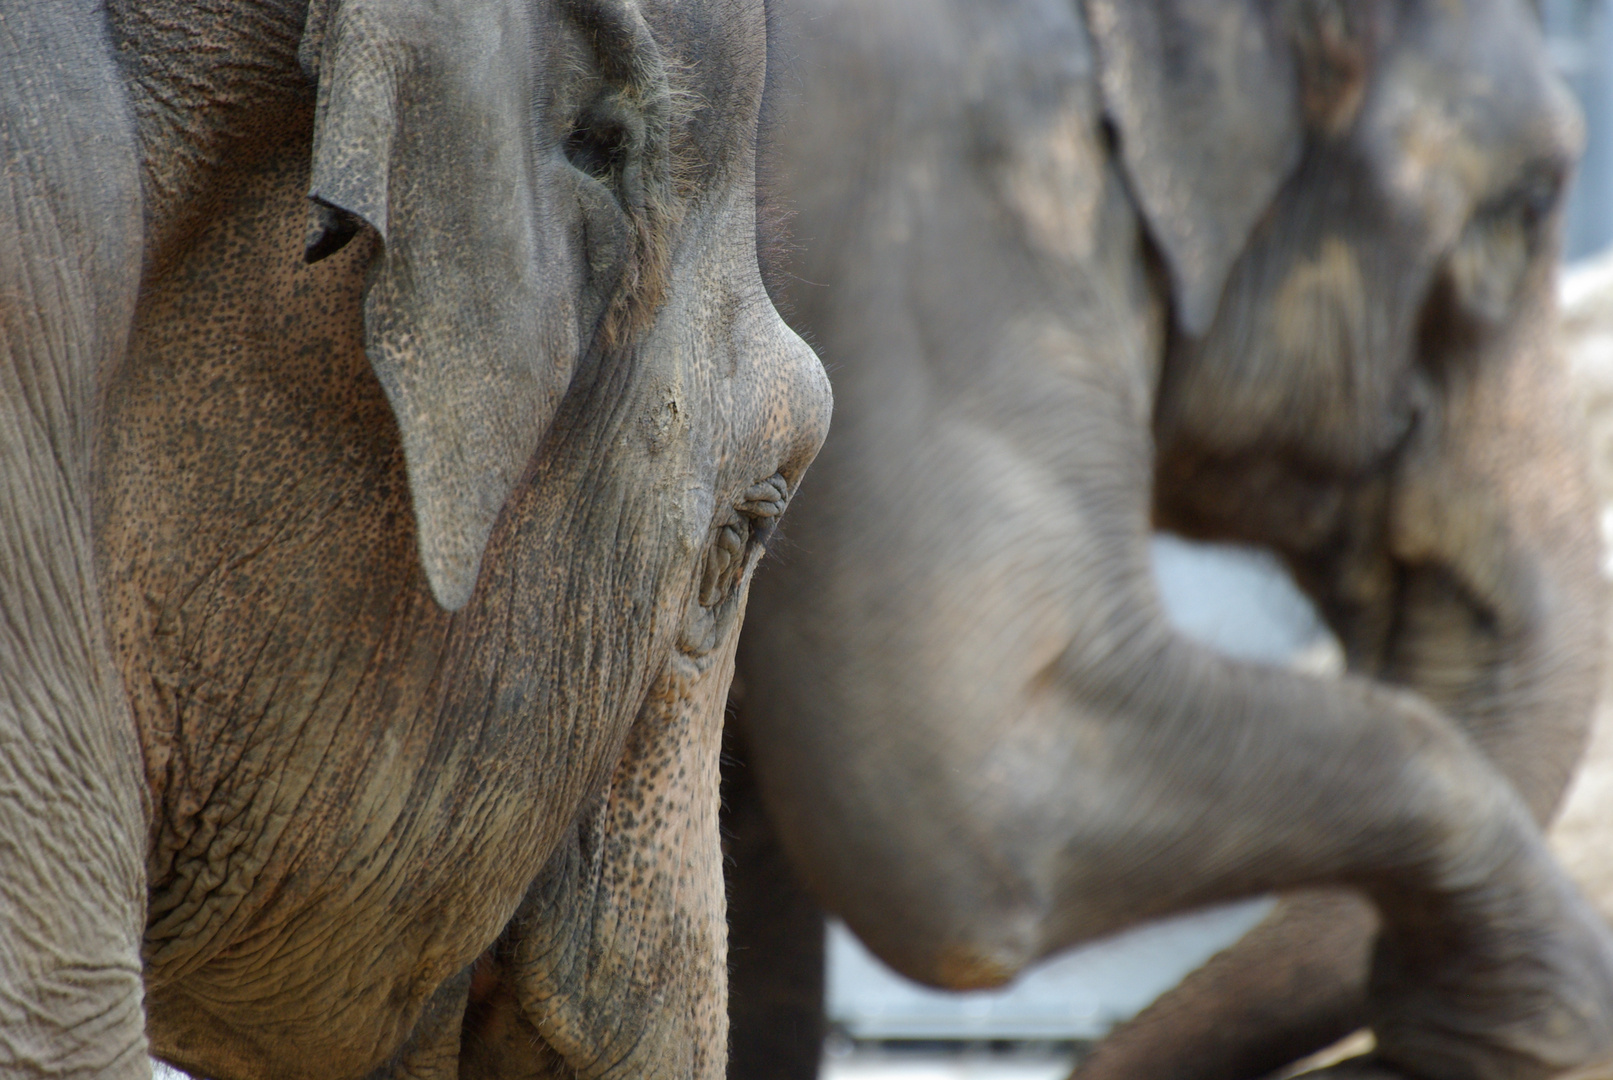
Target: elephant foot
[
  {"x": 1365, "y": 1067},
  {"x": 1525, "y": 997},
  {"x": 1372, "y": 1067}
]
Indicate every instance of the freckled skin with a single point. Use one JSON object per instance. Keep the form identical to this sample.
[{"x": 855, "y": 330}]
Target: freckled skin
[
  {"x": 381, "y": 836},
  {"x": 1278, "y": 274}
]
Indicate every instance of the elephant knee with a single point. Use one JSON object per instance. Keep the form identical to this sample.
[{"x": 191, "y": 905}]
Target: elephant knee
[{"x": 958, "y": 945}]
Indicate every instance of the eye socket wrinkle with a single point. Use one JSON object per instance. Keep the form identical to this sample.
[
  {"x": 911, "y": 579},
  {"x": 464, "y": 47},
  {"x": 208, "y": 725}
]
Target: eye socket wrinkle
[{"x": 743, "y": 538}]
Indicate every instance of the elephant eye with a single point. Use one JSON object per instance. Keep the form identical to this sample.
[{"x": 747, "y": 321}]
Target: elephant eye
[
  {"x": 1492, "y": 256},
  {"x": 605, "y": 140},
  {"x": 1535, "y": 195},
  {"x": 598, "y": 147},
  {"x": 739, "y": 541}
]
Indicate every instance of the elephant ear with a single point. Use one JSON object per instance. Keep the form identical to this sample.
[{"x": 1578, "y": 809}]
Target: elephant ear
[
  {"x": 426, "y": 131},
  {"x": 1205, "y": 99}
]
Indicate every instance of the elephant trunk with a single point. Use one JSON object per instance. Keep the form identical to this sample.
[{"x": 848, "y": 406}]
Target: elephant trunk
[{"x": 582, "y": 981}]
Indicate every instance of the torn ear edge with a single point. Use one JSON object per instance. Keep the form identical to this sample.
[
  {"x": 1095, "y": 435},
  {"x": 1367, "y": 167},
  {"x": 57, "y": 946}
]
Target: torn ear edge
[
  {"x": 313, "y": 38},
  {"x": 352, "y": 137},
  {"x": 468, "y": 416},
  {"x": 329, "y": 230},
  {"x": 473, "y": 401},
  {"x": 330, "y": 227}
]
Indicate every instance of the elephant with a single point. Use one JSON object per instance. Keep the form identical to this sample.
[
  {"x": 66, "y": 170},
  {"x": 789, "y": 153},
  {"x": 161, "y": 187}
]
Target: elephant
[
  {"x": 1270, "y": 273},
  {"x": 392, "y": 415}
]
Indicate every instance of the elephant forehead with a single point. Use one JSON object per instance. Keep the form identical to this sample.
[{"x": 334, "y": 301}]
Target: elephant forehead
[
  {"x": 1466, "y": 101},
  {"x": 1318, "y": 291},
  {"x": 754, "y": 394}
]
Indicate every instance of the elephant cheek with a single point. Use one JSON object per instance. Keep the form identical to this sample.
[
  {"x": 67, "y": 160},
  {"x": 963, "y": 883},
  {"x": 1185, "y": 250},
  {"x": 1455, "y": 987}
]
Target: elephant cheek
[
  {"x": 620, "y": 953},
  {"x": 1493, "y": 525}
]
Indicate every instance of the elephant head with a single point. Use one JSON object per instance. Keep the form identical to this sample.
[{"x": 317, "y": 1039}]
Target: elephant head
[
  {"x": 1276, "y": 272},
  {"x": 1458, "y": 561},
  {"x": 423, "y": 503}
]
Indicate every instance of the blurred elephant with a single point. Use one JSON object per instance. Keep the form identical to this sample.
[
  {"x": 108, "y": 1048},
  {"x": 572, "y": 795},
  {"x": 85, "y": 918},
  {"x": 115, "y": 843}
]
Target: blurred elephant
[
  {"x": 370, "y": 574},
  {"x": 1276, "y": 273}
]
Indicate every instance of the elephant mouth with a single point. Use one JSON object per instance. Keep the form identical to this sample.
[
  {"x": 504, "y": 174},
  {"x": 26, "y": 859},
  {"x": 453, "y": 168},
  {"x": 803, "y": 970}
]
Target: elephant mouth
[{"x": 484, "y": 979}]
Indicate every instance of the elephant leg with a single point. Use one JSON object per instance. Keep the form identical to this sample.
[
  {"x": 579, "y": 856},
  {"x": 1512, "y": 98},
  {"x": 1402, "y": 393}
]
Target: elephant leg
[
  {"x": 72, "y": 817},
  {"x": 1294, "y": 983},
  {"x": 1364, "y": 1068},
  {"x": 1298, "y": 981},
  {"x": 775, "y": 943}
]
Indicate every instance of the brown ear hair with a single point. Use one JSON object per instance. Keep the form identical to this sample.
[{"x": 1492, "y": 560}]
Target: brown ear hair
[
  {"x": 1334, "y": 43},
  {"x": 1205, "y": 99},
  {"x": 475, "y": 312}
]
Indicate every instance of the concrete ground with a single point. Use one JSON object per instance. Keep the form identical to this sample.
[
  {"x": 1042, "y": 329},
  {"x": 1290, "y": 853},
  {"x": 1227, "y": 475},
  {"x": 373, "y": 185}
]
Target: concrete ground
[{"x": 955, "y": 1063}]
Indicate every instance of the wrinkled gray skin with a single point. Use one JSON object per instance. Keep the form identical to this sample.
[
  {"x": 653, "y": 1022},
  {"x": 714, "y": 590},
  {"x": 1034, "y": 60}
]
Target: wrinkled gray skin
[
  {"x": 1279, "y": 273},
  {"x": 371, "y": 567}
]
